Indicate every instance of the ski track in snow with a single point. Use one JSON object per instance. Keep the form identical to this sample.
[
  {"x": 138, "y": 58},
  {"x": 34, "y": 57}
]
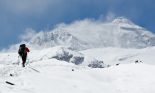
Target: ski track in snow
[{"x": 56, "y": 76}]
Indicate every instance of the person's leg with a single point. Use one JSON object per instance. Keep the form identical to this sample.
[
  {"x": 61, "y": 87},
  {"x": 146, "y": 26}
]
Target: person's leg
[{"x": 24, "y": 60}]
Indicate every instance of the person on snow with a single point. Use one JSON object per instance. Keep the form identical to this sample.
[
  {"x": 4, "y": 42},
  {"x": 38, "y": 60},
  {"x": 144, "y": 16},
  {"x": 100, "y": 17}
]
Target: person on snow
[{"x": 23, "y": 53}]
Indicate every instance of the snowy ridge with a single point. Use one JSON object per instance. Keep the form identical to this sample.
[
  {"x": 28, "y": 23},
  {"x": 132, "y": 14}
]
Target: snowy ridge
[
  {"x": 124, "y": 22},
  {"x": 109, "y": 56},
  {"x": 87, "y": 34},
  {"x": 56, "y": 38}
]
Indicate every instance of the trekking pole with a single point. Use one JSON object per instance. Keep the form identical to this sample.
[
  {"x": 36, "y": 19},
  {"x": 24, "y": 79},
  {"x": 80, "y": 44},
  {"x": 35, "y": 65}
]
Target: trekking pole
[
  {"x": 18, "y": 60},
  {"x": 27, "y": 61},
  {"x": 29, "y": 66},
  {"x": 34, "y": 69}
]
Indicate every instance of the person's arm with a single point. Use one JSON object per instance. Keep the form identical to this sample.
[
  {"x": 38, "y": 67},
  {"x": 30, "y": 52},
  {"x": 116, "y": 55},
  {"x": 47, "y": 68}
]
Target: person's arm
[{"x": 27, "y": 50}]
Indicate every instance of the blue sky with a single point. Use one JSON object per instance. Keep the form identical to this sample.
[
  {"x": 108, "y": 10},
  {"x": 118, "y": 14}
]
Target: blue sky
[{"x": 18, "y": 15}]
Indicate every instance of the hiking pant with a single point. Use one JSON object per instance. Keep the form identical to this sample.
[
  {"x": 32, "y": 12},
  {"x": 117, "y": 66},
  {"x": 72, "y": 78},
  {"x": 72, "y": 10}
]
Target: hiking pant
[{"x": 24, "y": 59}]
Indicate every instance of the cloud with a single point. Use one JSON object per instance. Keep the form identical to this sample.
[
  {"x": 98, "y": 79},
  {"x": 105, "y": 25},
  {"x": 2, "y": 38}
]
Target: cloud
[
  {"x": 27, "y": 6},
  {"x": 43, "y": 6},
  {"x": 62, "y": 7},
  {"x": 110, "y": 16},
  {"x": 28, "y": 34},
  {"x": 107, "y": 17}
]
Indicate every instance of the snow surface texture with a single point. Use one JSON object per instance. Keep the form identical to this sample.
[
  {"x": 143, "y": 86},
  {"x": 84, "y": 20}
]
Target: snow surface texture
[
  {"x": 87, "y": 33},
  {"x": 130, "y": 71}
]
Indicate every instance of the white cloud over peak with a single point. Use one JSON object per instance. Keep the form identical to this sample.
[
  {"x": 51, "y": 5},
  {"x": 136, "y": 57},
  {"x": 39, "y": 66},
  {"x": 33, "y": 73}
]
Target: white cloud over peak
[
  {"x": 110, "y": 16},
  {"x": 28, "y": 34},
  {"x": 107, "y": 17}
]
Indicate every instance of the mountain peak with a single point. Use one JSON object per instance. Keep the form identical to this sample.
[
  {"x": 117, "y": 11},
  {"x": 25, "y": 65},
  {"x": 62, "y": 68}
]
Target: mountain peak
[{"x": 122, "y": 20}]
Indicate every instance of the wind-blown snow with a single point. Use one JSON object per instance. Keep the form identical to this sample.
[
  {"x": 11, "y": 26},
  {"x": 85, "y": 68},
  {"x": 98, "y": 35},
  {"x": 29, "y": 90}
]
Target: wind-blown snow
[{"x": 87, "y": 33}]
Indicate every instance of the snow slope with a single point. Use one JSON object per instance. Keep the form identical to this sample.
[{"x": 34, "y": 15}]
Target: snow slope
[
  {"x": 58, "y": 78},
  {"x": 114, "y": 56},
  {"x": 45, "y": 74}
]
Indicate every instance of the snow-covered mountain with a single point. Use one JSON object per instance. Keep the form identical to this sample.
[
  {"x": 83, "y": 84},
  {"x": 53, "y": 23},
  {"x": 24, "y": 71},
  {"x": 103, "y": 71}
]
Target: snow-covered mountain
[
  {"x": 111, "y": 58},
  {"x": 86, "y": 34}
]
